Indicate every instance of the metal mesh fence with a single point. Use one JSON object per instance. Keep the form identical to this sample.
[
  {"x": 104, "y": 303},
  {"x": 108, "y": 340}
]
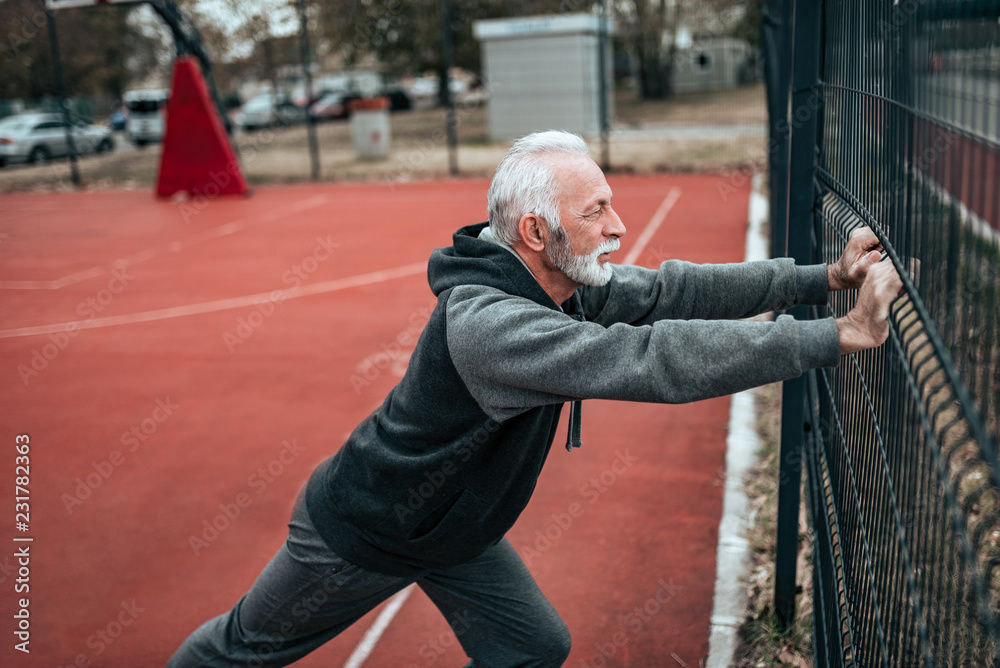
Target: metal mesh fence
[{"x": 902, "y": 474}]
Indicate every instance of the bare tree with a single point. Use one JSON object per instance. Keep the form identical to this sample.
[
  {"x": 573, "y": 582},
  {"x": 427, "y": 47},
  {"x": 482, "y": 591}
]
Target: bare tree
[
  {"x": 405, "y": 36},
  {"x": 102, "y": 51},
  {"x": 650, "y": 30},
  {"x": 641, "y": 25}
]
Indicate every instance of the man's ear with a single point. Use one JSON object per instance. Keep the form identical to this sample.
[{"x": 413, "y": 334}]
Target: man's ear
[{"x": 534, "y": 232}]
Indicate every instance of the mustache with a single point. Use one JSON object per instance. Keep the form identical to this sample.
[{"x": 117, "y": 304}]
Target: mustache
[{"x": 608, "y": 246}]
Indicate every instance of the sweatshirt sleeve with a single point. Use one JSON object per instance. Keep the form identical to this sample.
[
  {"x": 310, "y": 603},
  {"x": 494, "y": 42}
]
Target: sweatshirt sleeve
[
  {"x": 514, "y": 354},
  {"x": 682, "y": 290}
]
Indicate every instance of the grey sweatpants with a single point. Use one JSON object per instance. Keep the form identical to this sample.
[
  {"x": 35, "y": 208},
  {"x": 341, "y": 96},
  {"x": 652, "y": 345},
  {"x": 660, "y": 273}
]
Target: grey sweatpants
[{"x": 307, "y": 595}]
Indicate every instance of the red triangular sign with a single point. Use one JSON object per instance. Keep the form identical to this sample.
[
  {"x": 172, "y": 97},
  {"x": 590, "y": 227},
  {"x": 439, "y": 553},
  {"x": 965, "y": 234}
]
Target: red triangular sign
[{"x": 197, "y": 156}]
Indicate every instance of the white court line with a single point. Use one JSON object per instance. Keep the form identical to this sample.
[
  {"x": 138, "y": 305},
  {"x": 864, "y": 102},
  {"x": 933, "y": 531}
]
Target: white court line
[
  {"x": 732, "y": 554},
  {"x": 654, "y": 225},
  {"x": 367, "y": 644},
  {"x": 172, "y": 247},
  {"x": 220, "y": 304}
]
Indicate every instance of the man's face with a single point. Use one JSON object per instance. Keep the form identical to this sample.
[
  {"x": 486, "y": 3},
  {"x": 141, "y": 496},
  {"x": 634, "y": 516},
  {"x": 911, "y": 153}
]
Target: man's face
[{"x": 590, "y": 227}]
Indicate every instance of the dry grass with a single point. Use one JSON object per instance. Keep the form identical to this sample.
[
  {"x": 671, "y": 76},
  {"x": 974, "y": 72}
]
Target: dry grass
[
  {"x": 764, "y": 643},
  {"x": 743, "y": 105},
  {"x": 419, "y": 147}
]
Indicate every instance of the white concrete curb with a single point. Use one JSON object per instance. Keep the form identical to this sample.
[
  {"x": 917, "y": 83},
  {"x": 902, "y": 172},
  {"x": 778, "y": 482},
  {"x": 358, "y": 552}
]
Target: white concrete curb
[{"x": 733, "y": 553}]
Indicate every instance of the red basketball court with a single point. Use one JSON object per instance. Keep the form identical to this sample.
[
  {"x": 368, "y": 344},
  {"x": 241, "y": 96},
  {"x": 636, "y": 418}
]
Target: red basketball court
[{"x": 181, "y": 368}]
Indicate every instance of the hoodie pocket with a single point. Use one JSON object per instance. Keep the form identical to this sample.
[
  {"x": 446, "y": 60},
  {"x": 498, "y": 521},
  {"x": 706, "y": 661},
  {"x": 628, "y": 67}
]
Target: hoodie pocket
[{"x": 456, "y": 515}]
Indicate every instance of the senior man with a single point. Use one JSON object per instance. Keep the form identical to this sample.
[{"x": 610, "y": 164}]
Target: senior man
[{"x": 531, "y": 315}]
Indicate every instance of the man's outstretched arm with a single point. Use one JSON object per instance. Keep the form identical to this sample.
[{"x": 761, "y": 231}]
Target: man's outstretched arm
[{"x": 683, "y": 290}]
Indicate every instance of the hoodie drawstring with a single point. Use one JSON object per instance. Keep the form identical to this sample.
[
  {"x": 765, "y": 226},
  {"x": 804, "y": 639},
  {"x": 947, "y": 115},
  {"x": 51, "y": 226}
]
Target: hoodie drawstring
[
  {"x": 573, "y": 434},
  {"x": 574, "y": 308}
]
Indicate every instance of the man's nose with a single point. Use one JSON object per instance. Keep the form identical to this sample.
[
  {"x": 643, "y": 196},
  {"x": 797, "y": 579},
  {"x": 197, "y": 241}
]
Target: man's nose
[{"x": 615, "y": 227}]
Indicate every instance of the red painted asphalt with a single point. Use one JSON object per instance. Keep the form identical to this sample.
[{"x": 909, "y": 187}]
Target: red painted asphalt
[{"x": 145, "y": 430}]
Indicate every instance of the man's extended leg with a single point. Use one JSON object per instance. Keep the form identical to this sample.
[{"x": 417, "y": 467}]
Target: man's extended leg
[
  {"x": 498, "y": 613},
  {"x": 303, "y": 598}
]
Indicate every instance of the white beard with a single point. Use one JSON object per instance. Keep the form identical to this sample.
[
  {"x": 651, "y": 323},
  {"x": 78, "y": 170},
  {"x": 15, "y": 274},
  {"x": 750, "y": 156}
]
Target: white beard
[{"x": 584, "y": 269}]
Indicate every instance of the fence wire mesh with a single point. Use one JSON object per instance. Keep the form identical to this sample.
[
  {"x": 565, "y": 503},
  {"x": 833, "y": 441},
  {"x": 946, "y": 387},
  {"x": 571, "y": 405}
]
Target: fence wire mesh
[{"x": 903, "y": 482}]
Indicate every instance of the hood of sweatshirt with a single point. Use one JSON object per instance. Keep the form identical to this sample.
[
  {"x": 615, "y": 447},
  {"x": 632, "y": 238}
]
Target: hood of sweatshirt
[{"x": 471, "y": 260}]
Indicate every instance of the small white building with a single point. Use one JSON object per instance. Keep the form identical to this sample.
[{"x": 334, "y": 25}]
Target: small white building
[
  {"x": 543, "y": 74},
  {"x": 717, "y": 63}
]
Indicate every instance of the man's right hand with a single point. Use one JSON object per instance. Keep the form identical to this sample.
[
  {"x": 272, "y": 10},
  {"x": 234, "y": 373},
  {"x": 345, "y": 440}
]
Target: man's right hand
[{"x": 867, "y": 324}]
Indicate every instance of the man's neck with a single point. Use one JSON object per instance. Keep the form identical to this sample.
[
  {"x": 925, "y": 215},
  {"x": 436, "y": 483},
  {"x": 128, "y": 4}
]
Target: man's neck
[{"x": 555, "y": 283}]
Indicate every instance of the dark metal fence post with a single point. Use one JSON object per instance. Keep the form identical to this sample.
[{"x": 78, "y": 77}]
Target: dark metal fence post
[
  {"x": 449, "y": 102},
  {"x": 776, "y": 33},
  {"x": 801, "y": 203},
  {"x": 63, "y": 100},
  {"x": 306, "y": 55},
  {"x": 602, "y": 90}
]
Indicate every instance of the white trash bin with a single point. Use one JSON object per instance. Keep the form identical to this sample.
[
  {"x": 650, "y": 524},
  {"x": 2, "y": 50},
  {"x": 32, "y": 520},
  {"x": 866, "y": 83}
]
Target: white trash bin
[{"x": 370, "y": 127}]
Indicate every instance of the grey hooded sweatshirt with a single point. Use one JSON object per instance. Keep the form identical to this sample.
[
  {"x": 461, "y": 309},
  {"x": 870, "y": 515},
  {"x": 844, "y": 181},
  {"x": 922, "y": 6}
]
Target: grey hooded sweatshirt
[{"x": 442, "y": 469}]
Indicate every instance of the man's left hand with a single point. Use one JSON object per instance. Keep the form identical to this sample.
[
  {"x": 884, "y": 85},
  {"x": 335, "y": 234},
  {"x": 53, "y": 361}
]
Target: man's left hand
[{"x": 850, "y": 270}]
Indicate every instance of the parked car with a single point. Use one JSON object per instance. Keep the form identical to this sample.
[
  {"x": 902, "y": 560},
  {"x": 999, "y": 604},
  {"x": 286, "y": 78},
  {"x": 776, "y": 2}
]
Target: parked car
[
  {"x": 332, "y": 106},
  {"x": 37, "y": 137},
  {"x": 399, "y": 100},
  {"x": 261, "y": 112},
  {"x": 424, "y": 88},
  {"x": 118, "y": 119},
  {"x": 147, "y": 115},
  {"x": 423, "y": 92}
]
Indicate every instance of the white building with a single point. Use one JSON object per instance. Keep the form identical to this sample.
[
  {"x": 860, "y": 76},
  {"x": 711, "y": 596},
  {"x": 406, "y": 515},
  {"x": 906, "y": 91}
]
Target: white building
[{"x": 543, "y": 73}]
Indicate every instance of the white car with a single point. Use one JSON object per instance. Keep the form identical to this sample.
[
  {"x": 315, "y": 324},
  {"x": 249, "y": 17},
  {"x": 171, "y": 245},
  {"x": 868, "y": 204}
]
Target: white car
[
  {"x": 37, "y": 137},
  {"x": 147, "y": 111},
  {"x": 260, "y": 112}
]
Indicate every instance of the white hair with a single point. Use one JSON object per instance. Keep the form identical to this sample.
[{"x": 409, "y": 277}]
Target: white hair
[{"x": 524, "y": 182}]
